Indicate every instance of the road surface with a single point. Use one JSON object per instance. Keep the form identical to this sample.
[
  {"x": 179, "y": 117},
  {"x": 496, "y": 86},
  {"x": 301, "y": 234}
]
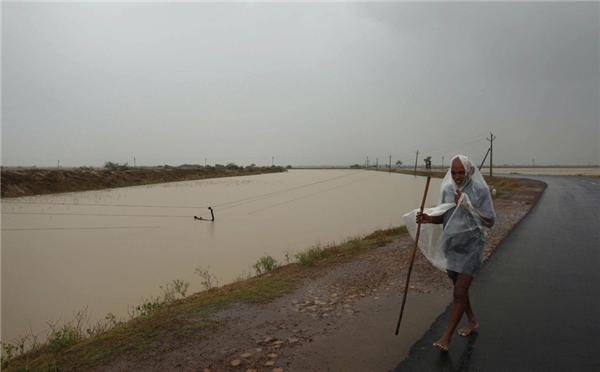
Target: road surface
[{"x": 538, "y": 297}]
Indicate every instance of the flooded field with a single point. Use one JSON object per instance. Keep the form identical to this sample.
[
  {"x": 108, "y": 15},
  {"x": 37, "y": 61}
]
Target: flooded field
[{"x": 111, "y": 249}]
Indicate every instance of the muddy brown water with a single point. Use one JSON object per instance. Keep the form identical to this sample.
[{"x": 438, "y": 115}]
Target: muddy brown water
[{"x": 112, "y": 249}]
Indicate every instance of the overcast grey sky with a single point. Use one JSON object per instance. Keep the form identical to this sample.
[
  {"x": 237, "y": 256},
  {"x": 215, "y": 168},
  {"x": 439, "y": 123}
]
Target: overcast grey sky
[{"x": 307, "y": 83}]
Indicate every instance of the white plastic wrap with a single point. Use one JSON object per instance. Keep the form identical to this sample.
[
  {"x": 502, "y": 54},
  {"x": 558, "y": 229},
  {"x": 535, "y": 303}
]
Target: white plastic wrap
[{"x": 457, "y": 245}]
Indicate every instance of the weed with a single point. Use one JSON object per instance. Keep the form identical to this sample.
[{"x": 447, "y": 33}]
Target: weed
[
  {"x": 286, "y": 257},
  {"x": 264, "y": 265},
  {"x": 63, "y": 337},
  {"x": 354, "y": 244},
  {"x": 312, "y": 255},
  {"x": 209, "y": 280},
  {"x": 8, "y": 352},
  {"x": 146, "y": 308}
]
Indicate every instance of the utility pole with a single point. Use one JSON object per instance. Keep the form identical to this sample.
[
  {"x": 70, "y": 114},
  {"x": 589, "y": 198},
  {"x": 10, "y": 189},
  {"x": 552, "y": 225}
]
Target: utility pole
[
  {"x": 491, "y": 139},
  {"x": 442, "y": 162},
  {"x": 367, "y": 162},
  {"x": 204, "y": 162},
  {"x": 58, "y": 164},
  {"x": 272, "y": 161},
  {"x": 416, "y": 159},
  {"x": 390, "y": 164},
  {"x": 134, "y": 163}
]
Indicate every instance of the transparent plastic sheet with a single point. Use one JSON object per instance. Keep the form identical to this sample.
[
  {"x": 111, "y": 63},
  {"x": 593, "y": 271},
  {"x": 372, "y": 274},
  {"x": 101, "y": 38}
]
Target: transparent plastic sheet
[{"x": 457, "y": 245}]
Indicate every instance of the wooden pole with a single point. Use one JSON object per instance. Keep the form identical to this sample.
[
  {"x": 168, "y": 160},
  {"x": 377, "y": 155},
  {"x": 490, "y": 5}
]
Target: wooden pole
[
  {"x": 416, "y": 159},
  {"x": 412, "y": 258}
]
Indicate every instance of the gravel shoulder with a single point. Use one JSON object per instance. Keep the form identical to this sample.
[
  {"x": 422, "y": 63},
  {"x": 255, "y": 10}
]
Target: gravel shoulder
[{"x": 342, "y": 317}]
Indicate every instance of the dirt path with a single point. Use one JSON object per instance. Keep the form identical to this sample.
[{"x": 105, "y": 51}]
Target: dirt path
[{"x": 343, "y": 318}]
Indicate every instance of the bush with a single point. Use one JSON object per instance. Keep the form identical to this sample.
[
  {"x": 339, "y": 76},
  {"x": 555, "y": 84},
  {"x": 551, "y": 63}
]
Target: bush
[
  {"x": 209, "y": 280},
  {"x": 147, "y": 307},
  {"x": 312, "y": 255},
  {"x": 63, "y": 338},
  {"x": 116, "y": 166},
  {"x": 264, "y": 264}
]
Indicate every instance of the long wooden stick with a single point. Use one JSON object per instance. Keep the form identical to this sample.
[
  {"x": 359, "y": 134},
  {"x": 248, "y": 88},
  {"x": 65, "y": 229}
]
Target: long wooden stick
[{"x": 412, "y": 258}]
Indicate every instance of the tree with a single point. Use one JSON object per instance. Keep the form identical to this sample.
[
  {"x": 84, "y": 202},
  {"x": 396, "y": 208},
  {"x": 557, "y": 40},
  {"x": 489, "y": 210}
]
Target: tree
[
  {"x": 399, "y": 163},
  {"x": 115, "y": 166}
]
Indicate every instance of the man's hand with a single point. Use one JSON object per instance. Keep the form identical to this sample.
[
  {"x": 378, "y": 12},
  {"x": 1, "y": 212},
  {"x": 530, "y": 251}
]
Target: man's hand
[
  {"x": 423, "y": 218},
  {"x": 457, "y": 195}
]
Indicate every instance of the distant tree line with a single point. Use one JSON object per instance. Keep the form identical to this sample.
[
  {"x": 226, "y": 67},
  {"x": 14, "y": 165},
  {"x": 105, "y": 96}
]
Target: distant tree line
[{"x": 229, "y": 166}]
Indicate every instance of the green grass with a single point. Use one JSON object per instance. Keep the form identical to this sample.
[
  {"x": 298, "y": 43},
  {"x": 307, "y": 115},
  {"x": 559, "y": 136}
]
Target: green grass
[
  {"x": 265, "y": 264},
  {"x": 312, "y": 255}
]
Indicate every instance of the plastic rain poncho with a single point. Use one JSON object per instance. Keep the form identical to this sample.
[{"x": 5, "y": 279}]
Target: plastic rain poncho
[{"x": 457, "y": 244}]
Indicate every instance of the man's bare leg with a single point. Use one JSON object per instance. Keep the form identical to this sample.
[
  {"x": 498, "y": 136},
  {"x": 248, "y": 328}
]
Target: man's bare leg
[
  {"x": 473, "y": 324},
  {"x": 459, "y": 304}
]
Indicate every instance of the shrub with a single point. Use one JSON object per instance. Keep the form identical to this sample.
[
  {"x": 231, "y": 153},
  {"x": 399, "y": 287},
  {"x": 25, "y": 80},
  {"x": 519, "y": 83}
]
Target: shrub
[
  {"x": 264, "y": 264},
  {"x": 312, "y": 255},
  {"x": 62, "y": 338},
  {"x": 147, "y": 308},
  {"x": 115, "y": 166},
  {"x": 209, "y": 280}
]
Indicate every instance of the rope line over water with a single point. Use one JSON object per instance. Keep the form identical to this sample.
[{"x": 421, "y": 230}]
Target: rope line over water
[
  {"x": 305, "y": 196},
  {"x": 254, "y": 198},
  {"x": 106, "y": 205},
  {"x": 227, "y": 205},
  {"x": 79, "y": 228},
  {"x": 99, "y": 214}
]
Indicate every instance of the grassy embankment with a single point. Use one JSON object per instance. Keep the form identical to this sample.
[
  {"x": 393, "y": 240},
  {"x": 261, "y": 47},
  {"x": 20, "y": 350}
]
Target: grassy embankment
[
  {"x": 17, "y": 182},
  {"x": 162, "y": 325}
]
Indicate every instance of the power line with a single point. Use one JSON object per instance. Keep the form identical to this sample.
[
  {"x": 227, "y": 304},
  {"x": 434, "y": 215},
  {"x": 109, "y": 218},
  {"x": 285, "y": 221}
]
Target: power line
[
  {"x": 251, "y": 199},
  {"x": 305, "y": 196},
  {"x": 79, "y": 228},
  {"x": 105, "y": 205},
  {"x": 228, "y": 204},
  {"x": 98, "y": 214}
]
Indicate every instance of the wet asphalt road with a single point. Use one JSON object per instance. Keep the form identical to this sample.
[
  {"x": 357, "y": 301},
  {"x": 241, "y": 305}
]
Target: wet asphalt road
[{"x": 538, "y": 297}]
